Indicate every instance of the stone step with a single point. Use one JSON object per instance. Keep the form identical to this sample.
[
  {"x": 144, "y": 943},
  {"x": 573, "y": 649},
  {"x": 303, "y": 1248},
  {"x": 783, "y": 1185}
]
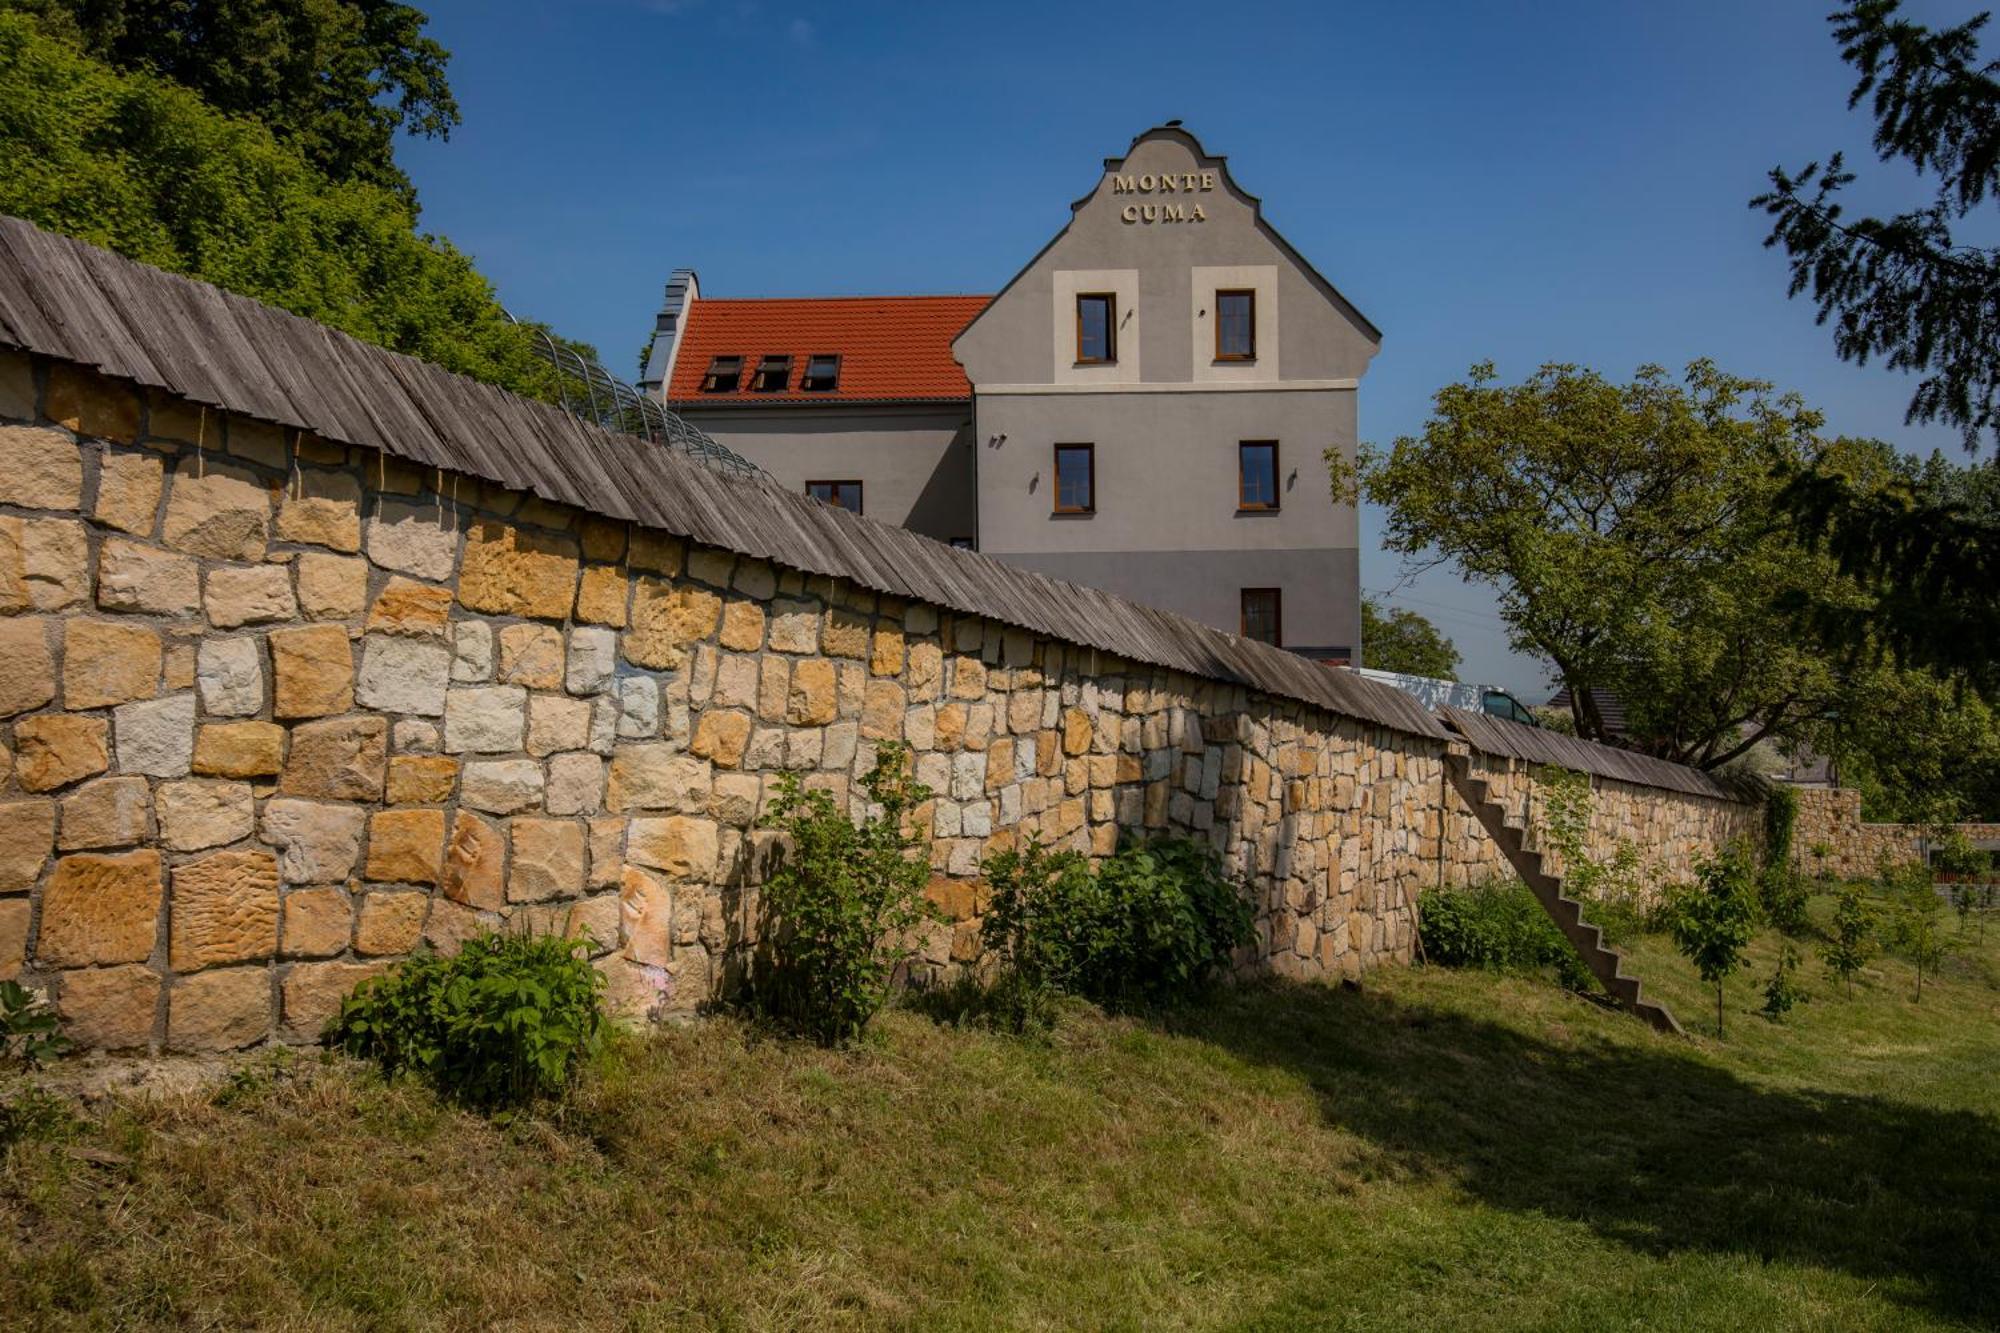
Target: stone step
[{"x": 1604, "y": 962}]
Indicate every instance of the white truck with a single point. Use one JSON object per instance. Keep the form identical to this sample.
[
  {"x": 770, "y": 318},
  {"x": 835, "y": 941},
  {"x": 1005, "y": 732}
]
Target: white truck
[{"x": 1472, "y": 698}]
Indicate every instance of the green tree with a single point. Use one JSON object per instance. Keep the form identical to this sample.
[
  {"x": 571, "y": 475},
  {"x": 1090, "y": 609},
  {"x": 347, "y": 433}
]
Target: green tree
[
  {"x": 1404, "y": 641},
  {"x": 1712, "y": 921},
  {"x": 1915, "y": 291},
  {"x": 1853, "y": 942},
  {"x": 334, "y": 79},
  {"x": 1913, "y": 925},
  {"x": 1626, "y": 529},
  {"x": 1921, "y": 749},
  {"x": 140, "y": 165}
]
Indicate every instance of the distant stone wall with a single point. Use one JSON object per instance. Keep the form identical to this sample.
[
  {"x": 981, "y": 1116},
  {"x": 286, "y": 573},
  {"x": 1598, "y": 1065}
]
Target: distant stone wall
[
  {"x": 1830, "y": 817},
  {"x": 277, "y": 710}
]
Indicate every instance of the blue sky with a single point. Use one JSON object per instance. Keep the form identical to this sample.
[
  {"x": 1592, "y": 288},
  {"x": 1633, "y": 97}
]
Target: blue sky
[{"x": 1526, "y": 183}]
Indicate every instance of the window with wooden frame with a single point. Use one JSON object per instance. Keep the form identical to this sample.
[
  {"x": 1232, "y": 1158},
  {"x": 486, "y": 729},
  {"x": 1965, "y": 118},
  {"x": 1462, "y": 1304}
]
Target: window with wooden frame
[
  {"x": 724, "y": 374},
  {"x": 1263, "y": 616},
  {"x": 773, "y": 374},
  {"x": 1257, "y": 475},
  {"x": 1076, "y": 479},
  {"x": 1236, "y": 325},
  {"x": 840, "y": 494},
  {"x": 822, "y": 375},
  {"x": 1096, "y": 329}
]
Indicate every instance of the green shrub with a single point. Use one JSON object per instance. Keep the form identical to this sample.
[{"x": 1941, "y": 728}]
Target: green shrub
[
  {"x": 1783, "y": 990},
  {"x": 1712, "y": 921},
  {"x": 29, "y": 1032},
  {"x": 1499, "y": 926},
  {"x": 506, "y": 1020},
  {"x": 1152, "y": 925},
  {"x": 1781, "y": 817},
  {"x": 1913, "y": 920},
  {"x": 1853, "y": 942},
  {"x": 841, "y": 909}
]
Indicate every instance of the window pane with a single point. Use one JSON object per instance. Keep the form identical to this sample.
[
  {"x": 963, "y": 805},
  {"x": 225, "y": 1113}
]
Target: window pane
[
  {"x": 723, "y": 374},
  {"x": 1235, "y": 314},
  {"x": 841, "y": 494},
  {"x": 1075, "y": 489},
  {"x": 822, "y": 374},
  {"x": 1260, "y": 614},
  {"x": 1257, "y": 476},
  {"x": 772, "y": 374},
  {"x": 1093, "y": 328}
]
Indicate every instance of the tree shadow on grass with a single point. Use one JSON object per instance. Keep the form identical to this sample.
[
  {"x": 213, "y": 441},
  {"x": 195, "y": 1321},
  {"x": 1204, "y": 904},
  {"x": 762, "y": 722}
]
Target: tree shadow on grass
[{"x": 1646, "y": 1144}]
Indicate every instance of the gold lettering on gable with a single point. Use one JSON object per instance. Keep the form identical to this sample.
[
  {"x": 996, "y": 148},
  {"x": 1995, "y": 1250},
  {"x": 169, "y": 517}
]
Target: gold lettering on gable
[{"x": 1166, "y": 182}]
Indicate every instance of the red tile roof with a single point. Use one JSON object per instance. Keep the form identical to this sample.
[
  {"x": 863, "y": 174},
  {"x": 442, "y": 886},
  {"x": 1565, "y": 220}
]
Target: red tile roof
[{"x": 895, "y": 348}]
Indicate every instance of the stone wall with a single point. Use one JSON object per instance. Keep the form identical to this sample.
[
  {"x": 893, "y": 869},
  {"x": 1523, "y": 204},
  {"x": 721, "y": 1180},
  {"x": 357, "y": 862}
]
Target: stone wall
[
  {"x": 277, "y": 710},
  {"x": 1830, "y": 817}
]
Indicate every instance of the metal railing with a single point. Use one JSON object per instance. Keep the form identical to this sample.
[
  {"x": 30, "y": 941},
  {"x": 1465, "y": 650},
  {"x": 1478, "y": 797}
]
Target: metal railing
[{"x": 591, "y": 393}]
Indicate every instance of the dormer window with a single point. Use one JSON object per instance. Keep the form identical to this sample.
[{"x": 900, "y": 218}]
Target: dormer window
[
  {"x": 773, "y": 374},
  {"x": 724, "y": 373},
  {"x": 822, "y": 375}
]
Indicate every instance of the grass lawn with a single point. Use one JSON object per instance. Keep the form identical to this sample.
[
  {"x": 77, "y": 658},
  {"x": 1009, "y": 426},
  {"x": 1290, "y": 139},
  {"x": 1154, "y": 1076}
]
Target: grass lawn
[{"x": 1437, "y": 1150}]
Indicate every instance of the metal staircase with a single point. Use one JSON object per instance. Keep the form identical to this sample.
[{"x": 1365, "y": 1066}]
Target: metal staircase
[{"x": 1605, "y": 963}]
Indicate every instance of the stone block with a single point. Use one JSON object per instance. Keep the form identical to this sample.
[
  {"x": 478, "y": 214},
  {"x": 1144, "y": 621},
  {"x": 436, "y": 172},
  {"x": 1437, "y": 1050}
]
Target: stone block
[
  {"x": 110, "y": 1008},
  {"x": 105, "y": 663},
  {"x": 400, "y": 675},
  {"x": 666, "y": 620},
  {"x": 735, "y": 682},
  {"x": 603, "y": 538},
  {"x": 155, "y": 737},
  {"x": 313, "y": 992},
  {"x": 239, "y": 749},
  {"x": 882, "y": 711},
  {"x": 656, "y": 552},
  {"x": 501, "y": 786},
  {"x": 405, "y": 846},
  {"x": 601, "y": 595},
  {"x": 14, "y": 914},
  {"x": 128, "y": 492},
  {"x": 593, "y": 661},
  {"x": 314, "y": 667},
  {"x": 421, "y": 779},
  {"x": 252, "y": 595},
  {"x": 225, "y": 910},
  {"x": 472, "y": 652},
  {"x": 217, "y": 510},
  {"x": 91, "y": 404},
  {"x": 794, "y": 627},
  {"x": 513, "y": 571},
  {"x": 638, "y": 707},
  {"x": 733, "y": 800},
  {"x": 411, "y": 735},
  {"x": 548, "y": 860},
  {"x": 219, "y": 1011},
  {"x": 607, "y": 851},
  {"x": 742, "y": 627},
  {"x": 410, "y": 608},
  {"x": 925, "y": 667},
  {"x": 321, "y": 509},
  {"x": 721, "y": 737},
  {"x": 657, "y": 777},
  {"x": 681, "y": 846},
  {"x": 316, "y": 843},
  {"x": 845, "y": 633},
  {"x": 331, "y": 587},
  {"x": 52, "y": 750},
  {"x": 646, "y": 917},
  {"x": 27, "y": 833},
  {"x": 339, "y": 759},
  {"x": 44, "y": 564},
  {"x": 317, "y": 923},
  {"x": 17, "y": 385},
  {"x": 110, "y": 812},
  {"x": 229, "y": 676},
  {"x": 39, "y": 468},
  {"x": 136, "y": 578},
  {"x": 885, "y": 652},
  {"x": 575, "y": 784},
  {"x": 814, "y": 700},
  {"x": 475, "y": 863},
  {"x": 419, "y": 539},
  {"x": 196, "y": 814},
  {"x": 489, "y": 719},
  {"x": 100, "y": 909},
  {"x": 557, "y": 723}
]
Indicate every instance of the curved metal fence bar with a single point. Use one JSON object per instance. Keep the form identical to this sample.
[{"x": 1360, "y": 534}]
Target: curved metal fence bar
[{"x": 593, "y": 394}]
